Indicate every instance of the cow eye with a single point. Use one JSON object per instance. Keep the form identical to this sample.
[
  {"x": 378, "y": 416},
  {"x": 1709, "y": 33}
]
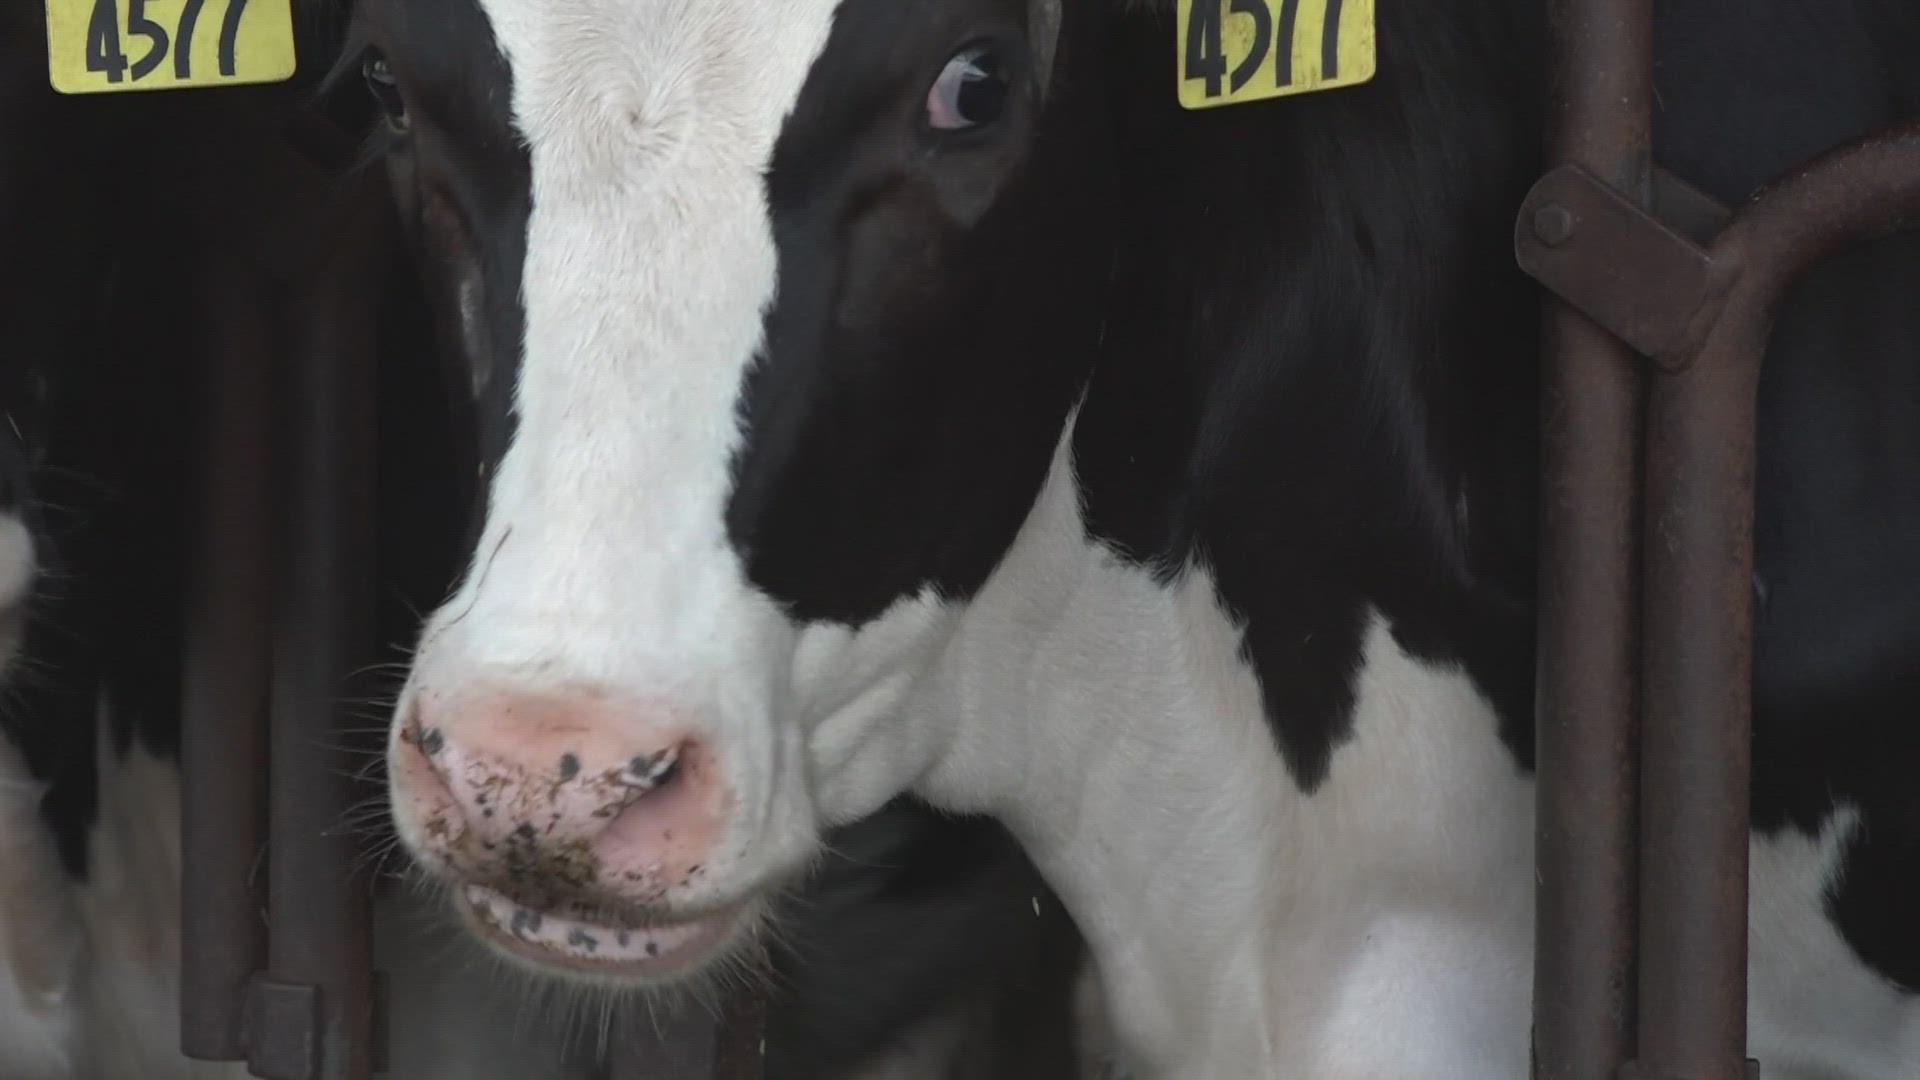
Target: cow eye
[
  {"x": 385, "y": 89},
  {"x": 970, "y": 92}
]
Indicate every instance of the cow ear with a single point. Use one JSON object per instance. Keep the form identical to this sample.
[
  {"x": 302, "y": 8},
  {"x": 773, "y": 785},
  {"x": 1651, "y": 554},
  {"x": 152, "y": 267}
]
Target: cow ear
[{"x": 1043, "y": 37}]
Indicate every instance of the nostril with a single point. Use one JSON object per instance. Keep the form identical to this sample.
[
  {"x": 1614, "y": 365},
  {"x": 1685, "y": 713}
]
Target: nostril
[
  {"x": 544, "y": 790},
  {"x": 419, "y": 780},
  {"x": 653, "y": 771}
]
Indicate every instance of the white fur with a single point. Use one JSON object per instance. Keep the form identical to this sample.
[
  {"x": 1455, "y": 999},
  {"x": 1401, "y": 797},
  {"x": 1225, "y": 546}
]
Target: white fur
[
  {"x": 1243, "y": 929},
  {"x": 1814, "y": 1011},
  {"x": 649, "y": 260},
  {"x": 17, "y": 561},
  {"x": 1379, "y": 929},
  {"x": 39, "y": 936}
]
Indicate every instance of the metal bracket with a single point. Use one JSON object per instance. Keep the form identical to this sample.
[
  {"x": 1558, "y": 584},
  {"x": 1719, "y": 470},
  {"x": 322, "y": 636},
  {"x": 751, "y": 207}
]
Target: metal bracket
[
  {"x": 279, "y": 1027},
  {"x": 1686, "y": 209},
  {"x": 1642, "y": 279}
]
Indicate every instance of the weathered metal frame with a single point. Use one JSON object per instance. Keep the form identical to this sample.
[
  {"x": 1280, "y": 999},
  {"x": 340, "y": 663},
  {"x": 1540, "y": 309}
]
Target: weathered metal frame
[
  {"x": 276, "y": 951},
  {"x": 1644, "y": 713}
]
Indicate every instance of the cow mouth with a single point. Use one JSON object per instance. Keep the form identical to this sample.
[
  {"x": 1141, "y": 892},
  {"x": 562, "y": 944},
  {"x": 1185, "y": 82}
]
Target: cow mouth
[{"x": 653, "y": 952}]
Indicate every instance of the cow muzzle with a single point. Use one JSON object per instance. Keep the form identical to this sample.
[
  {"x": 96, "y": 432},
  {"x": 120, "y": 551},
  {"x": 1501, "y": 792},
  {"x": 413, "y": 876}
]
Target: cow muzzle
[{"x": 578, "y": 828}]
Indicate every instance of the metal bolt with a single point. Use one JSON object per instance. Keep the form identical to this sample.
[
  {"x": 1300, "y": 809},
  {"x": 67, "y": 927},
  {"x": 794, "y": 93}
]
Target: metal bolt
[{"x": 1553, "y": 225}]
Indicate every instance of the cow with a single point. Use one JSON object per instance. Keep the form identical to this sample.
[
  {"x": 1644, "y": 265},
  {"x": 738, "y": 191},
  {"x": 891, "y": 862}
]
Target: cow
[
  {"x": 927, "y": 946},
  {"x": 911, "y": 397}
]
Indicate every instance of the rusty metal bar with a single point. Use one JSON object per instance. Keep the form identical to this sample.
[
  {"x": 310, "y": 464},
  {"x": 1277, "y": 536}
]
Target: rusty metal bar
[
  {"x": 1601, "y": 59},
  {"x": 314, "y": 1007},
  {"x": 225, "y": 674},
  {"x": 1867, "y": 188},
  {"x": 1699, "y": 573}
]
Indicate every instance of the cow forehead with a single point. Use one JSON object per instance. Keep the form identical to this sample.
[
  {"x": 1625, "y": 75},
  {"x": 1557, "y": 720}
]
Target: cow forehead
[
  {"x": 713, "y": 76},
  {"x": 650, "y": 256},
  {"x": 649, "y": 261}
]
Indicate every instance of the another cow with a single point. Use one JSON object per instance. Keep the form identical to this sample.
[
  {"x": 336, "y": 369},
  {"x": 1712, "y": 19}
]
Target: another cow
[{"x": 911, "y": 397}]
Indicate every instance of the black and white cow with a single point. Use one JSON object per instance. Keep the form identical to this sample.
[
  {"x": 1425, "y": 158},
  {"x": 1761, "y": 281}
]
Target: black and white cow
[
  {"x": 908, "y": 396},
  {"x": 927, "y": 946}
]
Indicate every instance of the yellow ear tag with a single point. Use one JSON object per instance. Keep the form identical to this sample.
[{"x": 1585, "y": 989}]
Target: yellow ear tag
[
  {"x": 107, "y": 46},
  {"x": 1235, "y": 51}
]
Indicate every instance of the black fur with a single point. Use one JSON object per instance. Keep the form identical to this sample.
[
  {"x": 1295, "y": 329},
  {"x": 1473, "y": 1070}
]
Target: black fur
[
  {"x": 928, "y": 340},
  {"x": 1297, "y": 393}
]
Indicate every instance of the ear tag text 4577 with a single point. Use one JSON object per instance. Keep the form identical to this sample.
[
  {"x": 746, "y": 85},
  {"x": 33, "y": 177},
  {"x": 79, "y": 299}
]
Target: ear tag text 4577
[
  {"x": 1236, "y": 51},
  {"x": 108, "y": 46}
]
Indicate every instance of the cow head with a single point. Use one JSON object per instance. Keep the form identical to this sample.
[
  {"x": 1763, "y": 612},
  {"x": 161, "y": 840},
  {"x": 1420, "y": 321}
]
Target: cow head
[{"x": 775, "y": 311}]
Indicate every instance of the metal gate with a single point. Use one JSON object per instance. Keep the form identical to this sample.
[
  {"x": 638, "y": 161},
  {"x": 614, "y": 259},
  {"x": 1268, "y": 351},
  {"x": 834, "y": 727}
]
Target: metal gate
[{"x": 1653, "y": 354}]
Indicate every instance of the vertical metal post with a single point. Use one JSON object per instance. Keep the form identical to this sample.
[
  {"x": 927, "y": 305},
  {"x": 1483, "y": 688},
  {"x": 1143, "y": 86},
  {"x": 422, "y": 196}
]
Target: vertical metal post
[
  {"x": 1699, "y": 650},
  {"x": 225, "y": 672},
  {"x": 1706, "y": 316},
  {"x": 1601, "y": 59},
  {"x": 1696, "y": 739},
  {"x": 320, "y": 967}
]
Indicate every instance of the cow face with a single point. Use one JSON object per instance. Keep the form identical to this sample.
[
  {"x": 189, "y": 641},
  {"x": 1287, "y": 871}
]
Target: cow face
[{"x": 774, "y": 311}]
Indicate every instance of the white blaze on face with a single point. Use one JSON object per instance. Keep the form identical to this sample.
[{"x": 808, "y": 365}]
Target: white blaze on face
[{"x": 650, "y": 261}]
